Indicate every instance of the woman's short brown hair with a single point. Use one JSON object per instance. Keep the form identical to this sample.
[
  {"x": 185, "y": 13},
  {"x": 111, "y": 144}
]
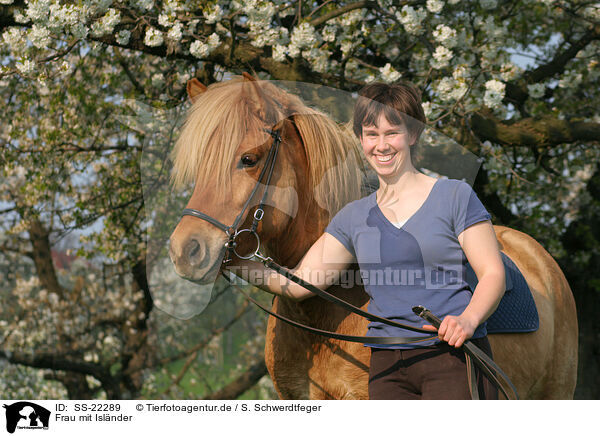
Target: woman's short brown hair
[{"x": 399, "y": 102}]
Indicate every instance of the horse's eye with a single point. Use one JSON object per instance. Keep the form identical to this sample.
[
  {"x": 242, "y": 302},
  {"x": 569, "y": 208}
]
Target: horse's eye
[{"x": 248, "y": 160}]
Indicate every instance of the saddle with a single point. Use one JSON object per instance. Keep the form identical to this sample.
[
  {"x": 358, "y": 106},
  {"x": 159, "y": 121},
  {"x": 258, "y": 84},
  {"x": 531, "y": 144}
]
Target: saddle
[{"x": 516, "y": 312}]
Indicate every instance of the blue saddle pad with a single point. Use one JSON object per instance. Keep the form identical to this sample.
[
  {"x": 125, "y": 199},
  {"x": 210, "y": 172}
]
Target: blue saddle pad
[{"x": 516, "y": 312}]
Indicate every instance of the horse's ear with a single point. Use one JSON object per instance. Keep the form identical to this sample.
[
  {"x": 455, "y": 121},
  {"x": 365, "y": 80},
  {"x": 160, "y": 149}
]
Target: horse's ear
[
  {"x": 194, "y": 89},
  {"x": 254, "y": 94},
  {"x": 249, "y": 77}
]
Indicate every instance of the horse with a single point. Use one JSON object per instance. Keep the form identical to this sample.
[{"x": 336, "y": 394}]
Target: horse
[{"x": 221, "y": 148}]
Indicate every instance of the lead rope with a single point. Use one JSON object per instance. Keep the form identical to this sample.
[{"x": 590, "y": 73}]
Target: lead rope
[{"x": 334, "y": 335}]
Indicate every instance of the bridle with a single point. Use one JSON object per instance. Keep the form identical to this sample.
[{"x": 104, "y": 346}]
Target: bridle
[
  {"x": 233, "y": 230},
  {"x": 473, "y": 354}
]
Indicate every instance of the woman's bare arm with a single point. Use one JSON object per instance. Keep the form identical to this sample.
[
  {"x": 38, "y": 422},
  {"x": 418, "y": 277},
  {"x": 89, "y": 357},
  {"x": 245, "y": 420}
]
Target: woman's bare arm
[{"x": 481, "y": 249}]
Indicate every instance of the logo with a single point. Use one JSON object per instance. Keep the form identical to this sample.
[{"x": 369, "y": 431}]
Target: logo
[{"x": 26, "y": 415}]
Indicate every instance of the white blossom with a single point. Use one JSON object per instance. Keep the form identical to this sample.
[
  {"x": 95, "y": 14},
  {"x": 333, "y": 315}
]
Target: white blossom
[
  {"x": 214, "y": 15},
  {"x": 65, "y": 68},
  {"x": 6, "y": 2},
  {"x": 20, "y": 17},
  {"x": 450, "y": 89},
  {"x": 488, "y": 4},
  {"x": 191, "y": 28},
  {"x": 411, "y": 19},
  {"x": 352, "y": 17},
  {"x": 536, "y": 90},
  {"x": 427, "y": 108},
  {"x": 144, "y": 5},
  {"x": 38, "y": 10},
  {"x": 445, "y": 35},
  {"x": 592, "y": 11},
  {"x": 175, "y": 33},
  {"x": 79, "y": 30},
  {"x": 158, "y": 80},
  {"x": 52, "y": 298},
  {"x": 96, "y": 7},
  {"x": 153, "y": 38},
  {"x": 164, "y": 20},
  {"x": 319, "y": 59},
  {"x": 461, "y": 72},
  {"x": 39, "y": 36},
  {"x": 64, "y": 16},
  {"x": 347, "y": 46},
  {"x": 445, "y": 86},
  {"x": 266, "y": 38},
  {"x": 388, "y": 74},
  {"x": 435, "y": 6},
  {"x": 213, "y": 41},
  {"x": 494, "y": 93},
  {"x": 508, "y": 71},
  {"x": 379, "y": 36},
  {"x": 302, "y": 37},
  {"x": 26, "y": 66},
  {"x": 571, "y": 79},
  {"x": 123, "y": 37},
  {"x": 279, "y": 52},
  {"x": 441, "y": 57},
  {"x": 259, "y": 16},
  {"x": 172, "y": 6},
  {"x": 199, "y": 49},
  {"x": 107, "y": 23},
  {"x": 328, "y": 33},
  {"x": 490, "y": 28},
  {"x": 15, "y": 39}
]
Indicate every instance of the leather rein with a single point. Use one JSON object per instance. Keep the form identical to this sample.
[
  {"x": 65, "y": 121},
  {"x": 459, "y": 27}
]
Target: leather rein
[{"x": 473, "y": 355}]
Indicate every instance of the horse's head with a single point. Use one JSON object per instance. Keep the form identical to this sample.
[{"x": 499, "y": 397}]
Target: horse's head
[{"x": 223, "y": 148}]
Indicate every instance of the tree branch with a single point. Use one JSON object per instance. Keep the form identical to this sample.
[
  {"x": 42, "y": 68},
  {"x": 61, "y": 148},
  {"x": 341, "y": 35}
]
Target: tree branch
[
  {"x": 42, "y": 257},
  {"x": 516, "y": 91},
  {"x": 316, "y": 22},
  {"x": 53, "y": 362},
  {"x": 542, "y": 132}
]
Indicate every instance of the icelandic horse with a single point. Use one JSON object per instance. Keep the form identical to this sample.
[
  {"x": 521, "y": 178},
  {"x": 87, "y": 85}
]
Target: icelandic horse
[{"x": 220, "y": 149}]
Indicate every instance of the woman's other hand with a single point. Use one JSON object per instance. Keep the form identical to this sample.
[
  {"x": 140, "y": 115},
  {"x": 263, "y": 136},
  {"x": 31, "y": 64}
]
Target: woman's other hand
[{"x": 455, "y": 329}]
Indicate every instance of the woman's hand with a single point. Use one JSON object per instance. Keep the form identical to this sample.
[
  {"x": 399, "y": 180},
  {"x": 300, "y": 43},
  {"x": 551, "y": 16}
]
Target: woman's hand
[{"x": 455, "y": 329}]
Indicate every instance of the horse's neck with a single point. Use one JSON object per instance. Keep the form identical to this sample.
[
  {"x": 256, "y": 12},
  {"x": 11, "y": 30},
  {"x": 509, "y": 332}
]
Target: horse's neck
[{"x": 302, "y": 232}]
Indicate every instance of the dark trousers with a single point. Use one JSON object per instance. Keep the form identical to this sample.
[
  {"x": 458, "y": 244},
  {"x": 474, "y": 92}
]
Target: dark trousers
[{"x": 429, "y": 373}]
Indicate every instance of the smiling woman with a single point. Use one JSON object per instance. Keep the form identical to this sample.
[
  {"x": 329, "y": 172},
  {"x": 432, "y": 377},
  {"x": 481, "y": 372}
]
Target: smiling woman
[{"x": 397, "y": 106}]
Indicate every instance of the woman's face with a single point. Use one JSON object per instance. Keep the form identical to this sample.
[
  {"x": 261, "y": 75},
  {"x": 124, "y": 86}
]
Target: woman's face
[{"x": 386, "y": 146}]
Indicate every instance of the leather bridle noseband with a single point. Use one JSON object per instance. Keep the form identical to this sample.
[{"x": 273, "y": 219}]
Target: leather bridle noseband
[{"x": 473, "y": 353}]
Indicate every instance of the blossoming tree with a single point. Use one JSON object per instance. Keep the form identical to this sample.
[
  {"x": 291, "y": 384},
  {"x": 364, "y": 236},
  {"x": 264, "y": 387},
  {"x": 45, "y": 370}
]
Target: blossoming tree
[{"x": 514, "y": 81}]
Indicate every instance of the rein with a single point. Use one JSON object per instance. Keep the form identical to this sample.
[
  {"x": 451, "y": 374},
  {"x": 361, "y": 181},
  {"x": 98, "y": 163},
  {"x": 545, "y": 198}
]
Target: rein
[{"x": 473, "y": 355}]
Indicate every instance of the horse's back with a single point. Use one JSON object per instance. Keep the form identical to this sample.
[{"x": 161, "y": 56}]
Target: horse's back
[{"x": 542, "y": 364}]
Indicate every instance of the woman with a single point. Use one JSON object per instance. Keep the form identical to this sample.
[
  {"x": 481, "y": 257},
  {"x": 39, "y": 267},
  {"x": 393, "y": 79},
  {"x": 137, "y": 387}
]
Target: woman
[{"x": 411, "y": 239}]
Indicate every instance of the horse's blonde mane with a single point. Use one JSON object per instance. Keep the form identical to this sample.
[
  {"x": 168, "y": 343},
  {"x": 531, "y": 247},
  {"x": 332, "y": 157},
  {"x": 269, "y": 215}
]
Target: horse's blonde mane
[{"x": 223, "y": 115}]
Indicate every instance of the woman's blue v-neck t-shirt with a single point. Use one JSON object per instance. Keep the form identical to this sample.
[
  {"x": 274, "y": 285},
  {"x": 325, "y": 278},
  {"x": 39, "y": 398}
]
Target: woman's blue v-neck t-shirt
[{"x": 421, "y": 263}]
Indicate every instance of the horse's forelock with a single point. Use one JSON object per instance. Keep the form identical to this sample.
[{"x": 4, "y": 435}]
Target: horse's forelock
[{"x": 215, "y": 126}]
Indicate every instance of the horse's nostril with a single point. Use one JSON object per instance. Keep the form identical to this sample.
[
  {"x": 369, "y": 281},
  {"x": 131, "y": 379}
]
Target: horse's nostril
[{"x": 194, "y": 248}]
